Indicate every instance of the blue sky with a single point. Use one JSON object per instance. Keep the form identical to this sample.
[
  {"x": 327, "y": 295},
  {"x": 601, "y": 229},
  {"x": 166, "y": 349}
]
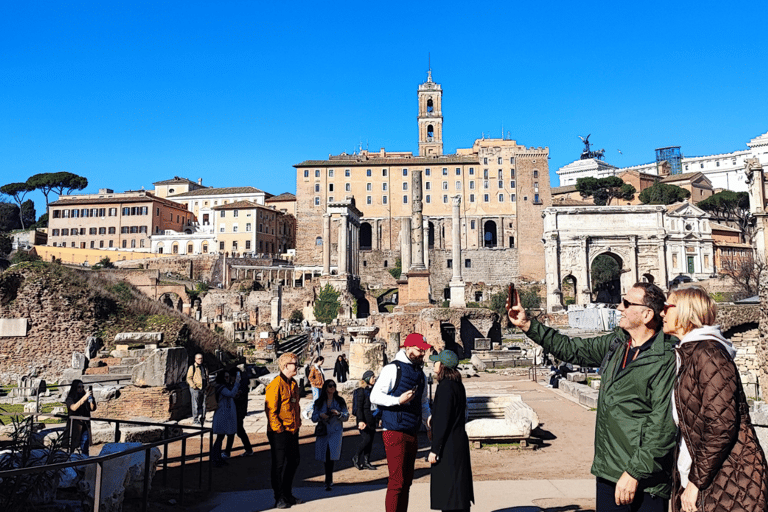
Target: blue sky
[{"x": 128, "y": 93}]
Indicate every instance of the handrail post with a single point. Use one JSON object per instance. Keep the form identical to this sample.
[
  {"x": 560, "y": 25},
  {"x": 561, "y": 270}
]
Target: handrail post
[
  {"x": 146, "y": 480},
  {"x": 200, "y": 462},
  {"x": 210, "y": 460},
  {"x": 117, "y": 431},
  {"x": 181, "y": 474},
  {"x": 97, "y": 488},
  {"x": 165, "y": 457}
]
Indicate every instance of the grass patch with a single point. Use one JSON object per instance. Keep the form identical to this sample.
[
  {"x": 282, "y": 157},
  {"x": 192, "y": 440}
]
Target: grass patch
[{"x": 17, "y": 410}]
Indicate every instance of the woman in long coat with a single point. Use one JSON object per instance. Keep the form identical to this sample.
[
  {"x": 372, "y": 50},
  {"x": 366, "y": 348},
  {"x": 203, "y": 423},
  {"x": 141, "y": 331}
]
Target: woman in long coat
[
  {"x": 330, "y": 409},
  {"x": 719, "y": 466},
  {"x": 451, "y": 484},
  {"x": 225, "y": 417}
]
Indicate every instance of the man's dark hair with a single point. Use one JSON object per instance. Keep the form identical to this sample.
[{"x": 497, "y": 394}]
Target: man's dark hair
[{"x": 654, "y": 298}]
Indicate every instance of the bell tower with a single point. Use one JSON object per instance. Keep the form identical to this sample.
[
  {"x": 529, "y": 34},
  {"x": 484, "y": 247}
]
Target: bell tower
[{"x": 430, "y": 117}]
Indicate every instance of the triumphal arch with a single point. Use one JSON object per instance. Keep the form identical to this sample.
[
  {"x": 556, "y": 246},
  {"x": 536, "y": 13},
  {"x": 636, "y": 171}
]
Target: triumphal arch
[{"x": 653, "y": 243}]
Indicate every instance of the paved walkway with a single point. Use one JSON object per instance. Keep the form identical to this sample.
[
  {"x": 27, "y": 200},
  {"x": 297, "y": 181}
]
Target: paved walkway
[{"x": 490, "y": 496}]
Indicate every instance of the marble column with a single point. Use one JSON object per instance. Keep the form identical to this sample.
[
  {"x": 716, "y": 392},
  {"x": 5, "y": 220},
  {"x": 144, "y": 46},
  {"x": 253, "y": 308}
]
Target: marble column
[
  {"x": 343, "y": 248},
  {"x": 426, "y": 242},
  {"x": 417, "y": 223},
  {"x": 326, "y": 244},
  {"x": 405, "y": 245},
  {"x": 457, "y": 283}
]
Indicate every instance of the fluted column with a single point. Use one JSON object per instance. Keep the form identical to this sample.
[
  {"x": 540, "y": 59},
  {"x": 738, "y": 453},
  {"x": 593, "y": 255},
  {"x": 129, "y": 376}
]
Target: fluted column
[
  {"x": 405, "y": 245},
  {"x": 456, "y": 233},
  {"x": 326, "y": 244},
  {"x": 343, "y": 248}
]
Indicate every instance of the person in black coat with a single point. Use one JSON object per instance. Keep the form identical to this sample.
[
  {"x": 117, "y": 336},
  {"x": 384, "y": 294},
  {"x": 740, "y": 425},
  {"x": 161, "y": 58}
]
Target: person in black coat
[
  {"x": 241, "y": 408},
  {"x": 366, "y": 422},
  {"x": 341, "y": 369},
  {"x": 451, "y": 486}
]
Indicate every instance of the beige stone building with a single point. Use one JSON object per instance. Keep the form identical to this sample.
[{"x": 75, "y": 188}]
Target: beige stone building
[
  {"x": 201, "y": 201},
  {"x": 504, "y": 188},
  {"x": 109, "y": 220},
  {"x": 176, "y": 186},
  {"x": 285, "y": 202},
  {"x": 245, "y": 227}
]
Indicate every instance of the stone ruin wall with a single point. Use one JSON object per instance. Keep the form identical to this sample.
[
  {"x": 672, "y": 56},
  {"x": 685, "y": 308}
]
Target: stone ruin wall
[
  {"x": 373, "y": 273},
  {"x": 197, "y": 268},
  {"x": 157, "y": 403},
  {"x": 490, "y": 268},
  {"x": 762, "y": 345},
  {"x": 56, "y": 328}
]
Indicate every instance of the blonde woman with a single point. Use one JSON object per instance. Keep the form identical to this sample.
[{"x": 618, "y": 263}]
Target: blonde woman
[{"x": 719, "y": 464}]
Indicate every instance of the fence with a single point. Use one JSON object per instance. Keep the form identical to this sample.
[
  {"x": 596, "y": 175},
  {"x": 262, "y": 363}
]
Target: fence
[{"x": 99, "y": 460}]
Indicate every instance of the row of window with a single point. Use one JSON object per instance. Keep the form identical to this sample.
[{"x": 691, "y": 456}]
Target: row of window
[
  {"x": 99, "y": 231},
  {"x": 101, "y": 212},
  {"x": 236, "y": 213},
  {"x": 428, "y": 199},
  {"x": 262, "y": 228},
  {"x": 111, "y": 244},
  {"x": 427, "y": 172},
  {"x": 427, "y": 186}
]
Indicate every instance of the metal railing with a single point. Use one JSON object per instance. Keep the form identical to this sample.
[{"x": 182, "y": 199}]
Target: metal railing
[{"x": 146, "y": 447}]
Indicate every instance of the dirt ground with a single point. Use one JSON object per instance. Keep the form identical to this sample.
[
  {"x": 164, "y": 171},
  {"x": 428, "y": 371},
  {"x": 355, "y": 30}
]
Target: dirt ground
[{"x": 565, "y": 451}]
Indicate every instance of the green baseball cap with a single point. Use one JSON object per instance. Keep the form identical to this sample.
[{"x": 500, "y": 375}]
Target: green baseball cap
[{"x": 447, "y": 358}]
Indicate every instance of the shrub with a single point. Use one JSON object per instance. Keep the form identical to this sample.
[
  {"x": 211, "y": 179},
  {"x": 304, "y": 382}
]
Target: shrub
[
  {"x": 296, "y": 317},
  {"x": 327, "y": 304}
]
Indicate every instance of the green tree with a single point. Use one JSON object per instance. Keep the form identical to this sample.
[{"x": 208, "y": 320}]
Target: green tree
[
  {"x": 327, "y": 304},
  {"x": 499, "y": 303},
  {"x": 57, "y": 182},
  {"x": 296, "y": 316},
  {"x": 17, "y": 192},
  {"x": 28, "y": 214},
  {"x": 603, "y": 190},
  {"x": 604, "y": 270},
  {"x": 663, "y": 193},
  {"x": 730, "y": 206},
  {"x": 529, "y": 296},
  {"x": 397, "y": 269},
  {"x": 6, "y": 244},
  {"x": 9, "y": 217}
]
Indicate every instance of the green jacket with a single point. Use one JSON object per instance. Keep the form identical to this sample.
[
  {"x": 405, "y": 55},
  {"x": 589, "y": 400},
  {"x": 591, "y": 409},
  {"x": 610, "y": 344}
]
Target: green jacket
[{"x": 634, "y": 430}]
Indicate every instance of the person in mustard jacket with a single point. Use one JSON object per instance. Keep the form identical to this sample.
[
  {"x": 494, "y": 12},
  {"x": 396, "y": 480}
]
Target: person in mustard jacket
[{"x": 281, "y": 405}]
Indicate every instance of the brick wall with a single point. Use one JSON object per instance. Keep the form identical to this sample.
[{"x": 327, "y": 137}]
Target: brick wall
[
  {"x": 198, "y": 267},
  {"x": 530, "y": 225},
  {"x": 160, "y": 404}
]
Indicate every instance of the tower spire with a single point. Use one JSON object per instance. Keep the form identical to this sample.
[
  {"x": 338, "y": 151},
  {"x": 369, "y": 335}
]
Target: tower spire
[{"x": 429, "y": 67}]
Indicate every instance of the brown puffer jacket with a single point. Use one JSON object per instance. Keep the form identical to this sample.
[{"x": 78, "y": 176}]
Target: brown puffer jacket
[{"x": 728, "y": 467}]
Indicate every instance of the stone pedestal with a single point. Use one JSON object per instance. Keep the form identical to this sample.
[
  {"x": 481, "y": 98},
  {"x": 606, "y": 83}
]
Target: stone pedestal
[
  {"x": 363, "y": 354},
  {"x": 418, "y": 287},
  {"x": 457, "y": 294}
]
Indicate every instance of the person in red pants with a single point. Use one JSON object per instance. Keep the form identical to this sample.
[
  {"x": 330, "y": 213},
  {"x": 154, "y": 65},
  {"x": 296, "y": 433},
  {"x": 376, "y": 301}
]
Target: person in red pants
[{"x": 401, "y": 394}]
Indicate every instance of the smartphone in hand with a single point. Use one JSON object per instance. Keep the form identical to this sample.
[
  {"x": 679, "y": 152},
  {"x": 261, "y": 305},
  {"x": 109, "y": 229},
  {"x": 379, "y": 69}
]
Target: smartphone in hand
[{"x": 511, "y": 294}]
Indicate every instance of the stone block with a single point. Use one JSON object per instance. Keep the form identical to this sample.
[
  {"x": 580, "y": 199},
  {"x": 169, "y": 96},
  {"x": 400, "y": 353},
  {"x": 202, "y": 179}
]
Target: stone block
[
  {"x": 477, "y": 362},
  {"x": 261, "y": 389},
  {"x": 13, "y": 327},
  {"x": 101, "y": 370},
  {"x": 760, "y": 416},
  {"x": 70, "y": 374},
  {"x": 579, "y": 377},
  {"x": 140, "y": 433},
  {"x": 30, "y": 407},
  {"x": 138, "y": 337},
  {"x": 518, "y": 411},
  {"x": 595, "y": 384},
  {"x": 164, "y": 367},
  {"x": 115, "y": 476},
  {"x": 364, "y": 357},
  {"x": 588, "y": 397},
  {"x": 762, "y": 435},
  {"x": 135, "y": 485},
  {"x": 482, "y": 343},
  {"x": 92, "y": 346},
  {"x": 79, "y": 361},
  {"x": 497, "y": 429}
]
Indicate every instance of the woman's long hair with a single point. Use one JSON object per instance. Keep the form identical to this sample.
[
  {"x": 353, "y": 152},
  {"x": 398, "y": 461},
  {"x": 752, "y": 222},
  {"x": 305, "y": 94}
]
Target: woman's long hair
[
  {"x": 448, "y": 373},
  {"x": 324, "y": 395},
  {"x": 72, "y": 394}
]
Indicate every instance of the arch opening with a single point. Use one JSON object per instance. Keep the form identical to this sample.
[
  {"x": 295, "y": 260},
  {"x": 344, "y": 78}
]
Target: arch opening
[
  {"x": 489, "y": 234},
  {"x": 606, "y": 272},
  {"x": 366, "y": 237}
]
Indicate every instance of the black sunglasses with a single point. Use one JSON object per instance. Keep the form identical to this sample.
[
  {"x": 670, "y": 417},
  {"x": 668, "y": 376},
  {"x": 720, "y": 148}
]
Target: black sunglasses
[{"x": 627, "y": 304}]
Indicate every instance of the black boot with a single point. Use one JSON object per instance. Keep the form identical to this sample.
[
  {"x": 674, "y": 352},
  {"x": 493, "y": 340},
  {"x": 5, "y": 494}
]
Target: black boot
[
  {"x": 356, "y": 462},
  {"x": 367, "y": 465}
]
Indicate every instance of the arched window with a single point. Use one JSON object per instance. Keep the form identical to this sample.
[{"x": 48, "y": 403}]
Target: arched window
[
  {"x": 430, "y": 131},
  {"x": 366, "y": 236},
  {"x": 489, "y": 235},
  {"x": 319, "y": 240},
  {"x": 205, "y": 248},
  {"x": 190, "y": 249},
  {"x": 430, "y": 105}
]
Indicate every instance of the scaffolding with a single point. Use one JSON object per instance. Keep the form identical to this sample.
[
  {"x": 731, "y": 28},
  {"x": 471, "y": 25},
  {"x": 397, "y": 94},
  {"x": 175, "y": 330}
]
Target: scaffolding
[{"x": 672, "y": 156}]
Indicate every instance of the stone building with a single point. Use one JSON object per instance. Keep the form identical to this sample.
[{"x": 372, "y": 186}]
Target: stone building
[
  {"x": 176, "y": 186},
  {"x": 504, "y": 188},
  {"x": 651, "y": 243},
  {"x": 109, "y": 220},
  {"x": 248, "y": 227}
]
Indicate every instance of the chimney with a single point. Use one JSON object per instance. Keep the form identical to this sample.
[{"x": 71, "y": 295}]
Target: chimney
[{"x": 200, "y": 181}]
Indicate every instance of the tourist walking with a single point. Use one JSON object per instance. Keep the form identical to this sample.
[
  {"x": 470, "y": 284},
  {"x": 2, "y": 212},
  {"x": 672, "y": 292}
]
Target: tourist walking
[
  {"x": 241, "y": 410},
  {"x": 720, "y": 466},
  {"x": 225, "y": 417},
  {"x": 329, "y": 412},
  {"x": 341, "y": 369},
  {"x": 281, "y": 405},
  {"x": 401, "y": 393},
  {"x": 79, "y": 402},
  {"x": 316, "y": 377},
  {"x": 451, "y": 482},
  {"x": 367, "y": 417},
  {"x": 634, "y": 431},
  {"x": 197, "y": 378}
]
